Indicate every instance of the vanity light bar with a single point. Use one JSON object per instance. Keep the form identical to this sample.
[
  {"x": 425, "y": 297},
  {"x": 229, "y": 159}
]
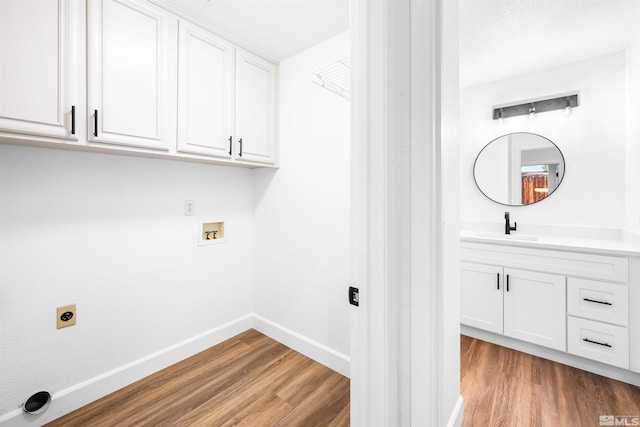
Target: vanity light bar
[{"x": 560, "y": 103}]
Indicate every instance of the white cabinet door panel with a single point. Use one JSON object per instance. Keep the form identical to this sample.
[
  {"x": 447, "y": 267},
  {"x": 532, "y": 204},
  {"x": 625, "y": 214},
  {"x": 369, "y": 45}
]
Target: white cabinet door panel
[
  {"x": 534, "y": 307},
  {"x": 255, "y": 108},
  {"x": 131, "y": 61},
  {"x": 39, "y": 66},
  {"x": 205, "y": 92},
  {"x": 482, "y": 296}
]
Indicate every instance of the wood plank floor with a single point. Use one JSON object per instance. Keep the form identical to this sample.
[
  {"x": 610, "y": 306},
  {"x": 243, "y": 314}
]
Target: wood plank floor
[
  {"x": 504, "y": 387},
  {"x": 247, "y": 380}
]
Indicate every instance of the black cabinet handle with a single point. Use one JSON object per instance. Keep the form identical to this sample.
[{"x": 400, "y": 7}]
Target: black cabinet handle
[
  {"x": 597, "y": 302},
  {"x": 230, "y": 144},
  {"x": 596, "y": 342},
  {"x": 240, "y": 141},
  {"x": 507, "y": 283},
  {"x": 498, "y": 281},
  {"x": 73, "y": 120},
  {"x": 95, "y": 122}
]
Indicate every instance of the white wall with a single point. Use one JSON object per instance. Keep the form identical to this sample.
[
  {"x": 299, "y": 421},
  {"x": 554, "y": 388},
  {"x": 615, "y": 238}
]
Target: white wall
[
  {"x": 450, "y": 204},
  {"x": 591, "y": 138},
  {"x": 301, "y": 228},
  {"x": 632, "y": 154},
  {"x": 109, "y": 234}
]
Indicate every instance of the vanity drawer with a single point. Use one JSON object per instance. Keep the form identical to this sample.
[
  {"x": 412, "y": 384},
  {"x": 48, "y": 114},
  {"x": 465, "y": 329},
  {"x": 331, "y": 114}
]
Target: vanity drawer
[
  {"x": 598, "y": 341},
  {"x": 602, "y": 301}
]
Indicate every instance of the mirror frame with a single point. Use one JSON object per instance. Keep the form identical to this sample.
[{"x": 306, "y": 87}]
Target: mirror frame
[{"x": 554, "y": 145}]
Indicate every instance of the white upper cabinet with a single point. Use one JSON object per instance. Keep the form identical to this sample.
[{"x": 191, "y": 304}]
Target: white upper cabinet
[
  {"x": 40, "y": 74},
  {"x": 205, "y": 92},
  {"x": 131, "y": 74},
  {"x": 255, "y": 108}
]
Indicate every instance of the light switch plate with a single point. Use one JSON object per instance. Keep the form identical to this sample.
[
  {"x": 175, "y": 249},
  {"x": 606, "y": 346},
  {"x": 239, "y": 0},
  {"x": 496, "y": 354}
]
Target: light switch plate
[
  {"x": 66, "y": 315},
  {"x": 189, "y": 207}
]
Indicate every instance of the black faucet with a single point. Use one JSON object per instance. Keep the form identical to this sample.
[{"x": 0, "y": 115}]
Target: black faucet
[{"x": 507, "y": 224}]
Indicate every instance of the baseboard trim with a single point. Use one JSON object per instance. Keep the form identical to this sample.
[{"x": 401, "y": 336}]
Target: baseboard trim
[
  {"x": 319, "y": 352},
  {"x": 455, "y": 420},
  {"x": 72, "y": 398}
]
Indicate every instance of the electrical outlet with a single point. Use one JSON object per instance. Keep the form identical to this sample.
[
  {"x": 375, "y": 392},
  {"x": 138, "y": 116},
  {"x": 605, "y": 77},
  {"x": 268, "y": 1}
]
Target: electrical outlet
[
  {"x": 189, "y": 207},
  {"x": 66, "y": 315}
]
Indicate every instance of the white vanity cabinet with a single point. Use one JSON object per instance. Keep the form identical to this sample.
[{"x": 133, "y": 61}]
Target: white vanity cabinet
[
  {"x": 131, "y": 74},
  {"x": 520, "y": 304},
  {"x": 570, "y": 301},
  {"x": 41, "y": 70}
]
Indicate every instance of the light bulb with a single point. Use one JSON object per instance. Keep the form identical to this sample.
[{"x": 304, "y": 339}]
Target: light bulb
[
  {"x": 567, "y": 109},
  {"x": 532, "y": 112}
]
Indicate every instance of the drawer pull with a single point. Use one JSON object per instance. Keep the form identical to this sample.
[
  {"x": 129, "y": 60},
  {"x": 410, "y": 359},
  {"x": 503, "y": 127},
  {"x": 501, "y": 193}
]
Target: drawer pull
[
  {"x": 596, "y": 342},
  {"x": 498, "y": 281},
  {"x": 597, "y": 302}
]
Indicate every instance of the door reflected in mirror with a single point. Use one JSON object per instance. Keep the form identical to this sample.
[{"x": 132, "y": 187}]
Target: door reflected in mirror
[{"x": 519, "y": 169}]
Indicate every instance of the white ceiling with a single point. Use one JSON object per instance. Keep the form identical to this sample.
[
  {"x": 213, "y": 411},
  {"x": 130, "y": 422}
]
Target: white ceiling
[
  {"x": 498, "y": 38},
  {"x": 504, "y": 38},
  {"x": 279, "y": 28}
]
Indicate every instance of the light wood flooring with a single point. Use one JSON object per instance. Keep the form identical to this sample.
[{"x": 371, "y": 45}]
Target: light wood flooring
[
  {"x": 254, "y": 381},
  {"x": 504, "y": 387},
  {"x": 248, "y": 380}
]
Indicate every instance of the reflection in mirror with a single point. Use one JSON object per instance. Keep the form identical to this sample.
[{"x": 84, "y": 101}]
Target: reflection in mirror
[{"x": 519, "y": 169}]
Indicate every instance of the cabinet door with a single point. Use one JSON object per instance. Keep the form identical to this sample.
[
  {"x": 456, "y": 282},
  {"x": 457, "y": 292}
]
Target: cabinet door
[
  {"x": 481, "y": 296},
  {"x": 40, "y": 74},
  {"x": 255, "y": 108},
  {"x": 205, "y": 92},
  {"x": 131, "y": 74},
  {"x": 534, "y": 308}
]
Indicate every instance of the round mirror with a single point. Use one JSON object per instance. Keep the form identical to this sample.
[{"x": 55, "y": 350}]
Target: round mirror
[{"x": 519, "y": 169}]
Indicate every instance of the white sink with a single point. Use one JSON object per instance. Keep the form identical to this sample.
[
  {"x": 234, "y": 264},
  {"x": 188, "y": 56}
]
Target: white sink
[{"x": 514, "y": 236}]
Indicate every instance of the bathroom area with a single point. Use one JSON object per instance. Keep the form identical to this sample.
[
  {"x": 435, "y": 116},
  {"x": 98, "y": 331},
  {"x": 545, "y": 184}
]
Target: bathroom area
[{"x": 549, "y": 181}]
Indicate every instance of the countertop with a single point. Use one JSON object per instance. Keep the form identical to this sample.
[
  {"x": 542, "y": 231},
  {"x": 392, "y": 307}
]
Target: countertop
[{"x": 598, "y": 241}]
